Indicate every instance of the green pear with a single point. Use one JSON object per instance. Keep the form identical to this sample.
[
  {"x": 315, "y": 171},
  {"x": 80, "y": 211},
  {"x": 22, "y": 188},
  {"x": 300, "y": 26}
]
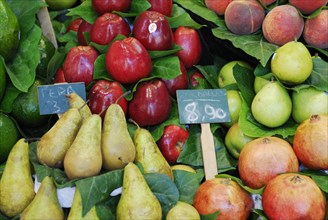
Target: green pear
[
  {"x": 83, "y": 158},
  {"x": 16, "y": 184},
  {"x": 149, "y": 155},
  {"x": 234, "y": 106},
  {"x": 261, "y": 81},
  {"x": 117, "y": 145},
  {"x": 226, "y": 77},
  {"x": 316, "y": 103},
  {"x": 45, "y": 204},
  {"x": 272, "y": 105},
  {"x": 183, "y": 210},
  {"x": 75, "y": 101},
  {"x": 75, "y": 211},
  {"x": 292, "y": 63},
  {"x": 53, "y": 145},
  {"x": 137, "y": 201}
]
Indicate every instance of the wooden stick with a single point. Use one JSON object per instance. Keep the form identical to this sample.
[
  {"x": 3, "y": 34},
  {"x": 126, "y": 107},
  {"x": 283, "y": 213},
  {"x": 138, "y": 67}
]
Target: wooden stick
[{"x": 208, "y": 150}]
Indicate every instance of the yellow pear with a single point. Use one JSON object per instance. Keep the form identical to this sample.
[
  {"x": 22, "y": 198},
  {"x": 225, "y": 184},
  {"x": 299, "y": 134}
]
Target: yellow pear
[
  {"x": 183, "y": 210},
  {"x": 83, "y": 158},
  {"x": 16, "y": 184},
  {"x": 75, "y": 101},
  {"x": 137, "y": 201},
  {"x": 53, "y": 145}
]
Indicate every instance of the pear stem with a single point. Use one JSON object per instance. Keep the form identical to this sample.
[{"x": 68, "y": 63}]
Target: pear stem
[
  {"x": 83, "y": 105},
  {"x": 134, "y": 122},
  {"x": 123, "y": 95}
]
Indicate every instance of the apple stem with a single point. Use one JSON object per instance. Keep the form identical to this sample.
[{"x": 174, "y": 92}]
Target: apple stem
[
  {"x": 134, "y": 122},
  {"x": 123, "y": 95}
]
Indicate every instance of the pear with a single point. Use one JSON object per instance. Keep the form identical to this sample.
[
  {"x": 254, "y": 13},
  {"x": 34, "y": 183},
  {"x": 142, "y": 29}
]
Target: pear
[
  {"x": 83, "y": 158},
  {"x": 149, "y": 155},
  {"x": 76, "y": 209},
  {"x": 137, "y": 201},
  {"x": 16, "y": 184},
  {"x": 75, "y": 101},
  {"x": 45, "y": 204},
  {"x": 272, "y": 105},
  {"x": 183, "y": 210},
  {"x": 117, "y": 145},
  {"x": 53, "y": 145}
]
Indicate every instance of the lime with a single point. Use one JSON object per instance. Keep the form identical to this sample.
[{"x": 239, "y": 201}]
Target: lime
[
  {"x": 9, "y": 31},
  {"x": 26, "y": 110},
  {"x": 60, "y": 4},
  {"x": 47, "y": 50},
  {"x": 9, "y": 135},
  {"x": 2, "y": 80}
]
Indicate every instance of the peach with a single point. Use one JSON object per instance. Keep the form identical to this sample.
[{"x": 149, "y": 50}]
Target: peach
[
  {"x": 218, "y": 6},
  {"x": 282, "y": 24},
  {"x": 244, "y": 16},
  {"x": 267, "y": 2},
  {"x": 308, "y": 6},
  {"x": 316, "y": 30}
]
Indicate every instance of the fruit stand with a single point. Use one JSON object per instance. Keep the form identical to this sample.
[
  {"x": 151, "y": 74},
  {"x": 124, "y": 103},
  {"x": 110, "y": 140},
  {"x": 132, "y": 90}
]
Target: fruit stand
[{"x": 112, "y": 142}]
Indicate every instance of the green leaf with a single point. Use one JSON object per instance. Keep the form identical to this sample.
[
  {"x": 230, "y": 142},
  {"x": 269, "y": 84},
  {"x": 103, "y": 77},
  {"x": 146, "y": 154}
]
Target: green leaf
[
  {"x": 55, "y": 62},
  {"x": 23, "y": 66},
  {"x": 250, "y": 127},
  {"x": 255, "y": 45},
  {"x": 136, "y": 7},
  {"x": 162, "y": 53},
  {"x": 166, "y": 67},
  {"x": 319, "y": 76},
  {"x": 198, "y": 8},
  {"x": 187, "y": 184},
  {"x": 181, "y": 18},
  {"x": 164, "y": 190},
  {"x": 85, "y": 11},
  {"x": 9, "y": 97},
  {"x": 245, "y": 81},
  {"x": 319, "y": 177},
  {"x": 241, "y": 184},
  {"x": 210, "y": 73},
  {"x": 212, "y": 216},
  {"x": 100, "y": 71}
]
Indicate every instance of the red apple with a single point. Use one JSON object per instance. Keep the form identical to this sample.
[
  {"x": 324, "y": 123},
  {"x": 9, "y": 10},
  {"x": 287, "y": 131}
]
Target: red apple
[
  {"x": 161, "y": 6},
  {"x": 84, "y": 27},
  {"x": 79, "y": 63},
  {"x": 128, "y": 61},
  {"x": 179, "y": 82},
  {"x": 188, "y": 39},
  {"x": 172, "y": 141},
  {"x": 103, "y": 94},
  {"x": 151, "y": 103},
  {"x": 107, "y": 27},
  {"x": 74, "y": 25},
  {"x": 194, "y": 78},
  {"x": 59, "y": 76},
  {"x": 306, "y": 6},
  {"x": 218, "y": 6},
  {"x": 153, "y": 30},
  {"x": 102, "y": 6}
]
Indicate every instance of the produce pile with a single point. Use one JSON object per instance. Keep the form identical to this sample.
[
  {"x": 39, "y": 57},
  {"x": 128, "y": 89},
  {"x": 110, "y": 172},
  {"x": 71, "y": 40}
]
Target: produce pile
[{"x": 123, "y": 150}]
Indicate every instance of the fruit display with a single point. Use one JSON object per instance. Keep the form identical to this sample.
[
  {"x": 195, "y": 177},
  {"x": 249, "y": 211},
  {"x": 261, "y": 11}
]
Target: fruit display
[{"x": 121, "y": 151}]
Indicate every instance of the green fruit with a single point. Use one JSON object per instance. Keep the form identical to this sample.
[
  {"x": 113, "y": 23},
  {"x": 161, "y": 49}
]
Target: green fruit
[
  {"x": 316, "y": 103},
  {"x": 292, "y": 63},
  {"x": 234, "y": 106},
  {"x": 9, "y": 31},
  {"x": 182, "y": 210},
  {"x": 225, "y": 76},
  {"x": 9, "y": 135},
  {"x": 235, "y": 140},
  {"x": 272, "y": 105},
  {"x": 47, "y": 50},
  {"x": 2, "y": 80},
  {"x": 261, "y": 81},
  {"x": 26, "y": 110},
  {"x": 60, "y": 4}
]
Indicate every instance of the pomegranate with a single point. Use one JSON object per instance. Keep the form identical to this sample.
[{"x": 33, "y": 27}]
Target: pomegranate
[
  {"x": 223, "y": 195},
  {"x": 293, "y": 196},
  {"x": 311, "y": 142},
  {"x": 263, "y": 158}
]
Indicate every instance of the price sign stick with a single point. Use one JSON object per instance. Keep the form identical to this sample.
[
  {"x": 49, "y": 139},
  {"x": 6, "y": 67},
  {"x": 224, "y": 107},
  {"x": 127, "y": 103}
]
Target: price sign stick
[
  {"x": 208, "y": 150},
  {"x": 46, "y": 26}
]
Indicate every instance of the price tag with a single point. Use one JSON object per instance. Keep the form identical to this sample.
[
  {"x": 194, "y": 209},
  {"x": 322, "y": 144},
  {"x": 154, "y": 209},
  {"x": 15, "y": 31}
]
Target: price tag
[
  {"x": 52, "y": 98},
  {"x": 203, "y": 106}
]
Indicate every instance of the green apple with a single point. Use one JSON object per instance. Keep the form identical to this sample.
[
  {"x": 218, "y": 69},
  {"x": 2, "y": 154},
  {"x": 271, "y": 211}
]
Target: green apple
[
  {"x": 292, "y": 63},
  {"x": 225, "y": 76},
  {"x": 261, "y": 81},
  {"x": 60, "y": 4},
  {"x": 308, "y": 101},
  {"x": 272, "y": 105},
  {"x": 234, "y": 106},
  {"x": 182, "y": 210},
  {"x": 235, "y": 140}
]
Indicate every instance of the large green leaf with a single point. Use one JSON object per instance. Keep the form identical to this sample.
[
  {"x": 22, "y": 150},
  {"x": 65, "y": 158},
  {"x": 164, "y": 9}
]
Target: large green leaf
[
  {"x": 319, "y": 75},
  {"x": 166, "y": 67},
  {"x": 255, "y": 45},
  {"x": 181, "y": 18},
  {"x": 84, "y": 11}
]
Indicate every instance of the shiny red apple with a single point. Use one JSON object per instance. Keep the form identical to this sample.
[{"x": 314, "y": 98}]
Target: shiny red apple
[
  {"x": 74, "y": 25},
  {"x": 103, "y": 94},
  {"x": 79, "y": 64},
  {"x": 59, "y": 76},
  {"x": 172, "y": 141},
  {"x": 102, "y": 6},
  {"x": 151, "y": 103},
  {"x": 107, "y": 27},
  {"x": 128, "y": 61},
  {"x": 153, "y": 30},
  {"x": 179, "y": 82},
  {"x": 84, "y": 27},
  {"x": 161, "y": 6}
]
